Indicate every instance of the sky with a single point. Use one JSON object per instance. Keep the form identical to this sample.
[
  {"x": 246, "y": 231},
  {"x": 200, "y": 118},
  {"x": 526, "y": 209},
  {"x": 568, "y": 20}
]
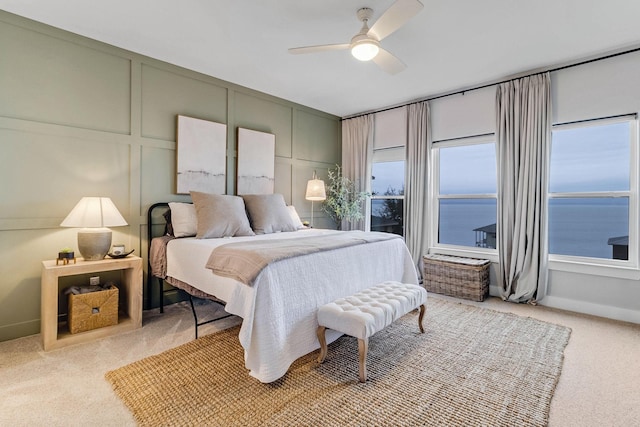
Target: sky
[
  {"x": 586, "y": 158},
  {"x": 591, "y": 158},
  {"x": 468, "y": 169},
  {"x": 387, "y": 175}
]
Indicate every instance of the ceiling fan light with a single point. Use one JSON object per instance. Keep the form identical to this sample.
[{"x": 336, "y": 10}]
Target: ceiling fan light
[{"x": 365, "y": 51}]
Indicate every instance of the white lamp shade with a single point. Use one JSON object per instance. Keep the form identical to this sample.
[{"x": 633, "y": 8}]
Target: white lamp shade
[
  {"x": 365, "y": 51},
  {"x": 94, "y": 212},
  {"x": 315, "y": 190}
]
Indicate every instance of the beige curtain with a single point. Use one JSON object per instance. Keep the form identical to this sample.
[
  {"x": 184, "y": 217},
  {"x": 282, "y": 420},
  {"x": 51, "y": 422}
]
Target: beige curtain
[
  {"x": 357, "y": 154},
  {"x": 523, "y": 135},
  {"x": 415, "y": 195}
]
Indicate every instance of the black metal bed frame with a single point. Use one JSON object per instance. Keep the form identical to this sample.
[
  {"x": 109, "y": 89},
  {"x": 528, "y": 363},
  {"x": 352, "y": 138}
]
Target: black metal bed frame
[{"x": 150, "y": 276}]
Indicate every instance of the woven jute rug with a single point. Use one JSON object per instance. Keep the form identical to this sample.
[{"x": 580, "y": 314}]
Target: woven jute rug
[{"x": 471, "y": 367}]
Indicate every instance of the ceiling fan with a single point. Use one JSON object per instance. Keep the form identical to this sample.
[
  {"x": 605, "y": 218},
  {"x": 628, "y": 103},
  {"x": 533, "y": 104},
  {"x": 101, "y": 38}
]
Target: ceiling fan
[{"x": 365, "y": 45}]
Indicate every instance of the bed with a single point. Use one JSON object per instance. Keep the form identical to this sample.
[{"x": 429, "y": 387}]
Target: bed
[{"x": 278, "y": 309}]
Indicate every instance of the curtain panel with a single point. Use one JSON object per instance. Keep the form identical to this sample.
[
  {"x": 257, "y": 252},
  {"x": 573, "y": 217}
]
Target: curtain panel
[
  {"x": 416, "y": 176},
  {"x": 357, "y": 155},
  {"x": 523, "y": 135}
]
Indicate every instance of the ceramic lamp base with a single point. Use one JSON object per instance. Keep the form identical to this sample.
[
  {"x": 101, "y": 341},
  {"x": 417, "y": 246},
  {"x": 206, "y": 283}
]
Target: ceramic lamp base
[{"x": 94, "y": 243}]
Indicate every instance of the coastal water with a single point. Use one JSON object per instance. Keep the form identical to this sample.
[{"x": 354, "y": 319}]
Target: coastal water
[{"x": 580, "y": 227}]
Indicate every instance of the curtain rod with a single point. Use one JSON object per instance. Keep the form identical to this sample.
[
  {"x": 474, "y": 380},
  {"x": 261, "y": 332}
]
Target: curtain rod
[{"x": 463, "y": 91}]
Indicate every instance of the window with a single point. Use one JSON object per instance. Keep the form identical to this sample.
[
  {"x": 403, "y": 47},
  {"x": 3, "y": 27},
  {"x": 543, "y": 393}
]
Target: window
[
  {"x": 387, "y": 190},
  {"x": 465, "y": 189},
  {"x": 592, "y": 190},
  {"x": 387, "y": 171}
]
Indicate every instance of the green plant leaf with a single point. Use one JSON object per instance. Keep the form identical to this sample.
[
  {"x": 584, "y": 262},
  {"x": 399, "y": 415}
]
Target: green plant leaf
[{"x": 344, "y": 201}]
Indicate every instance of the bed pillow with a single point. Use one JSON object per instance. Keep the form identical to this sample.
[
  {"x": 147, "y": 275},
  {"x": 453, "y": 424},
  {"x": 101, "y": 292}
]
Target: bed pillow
[
  {"x": 220, "y": 216},
  {"x": 268, "y": 213},
  {"x": 295, "y": 217},
  {"x": 183, "y": 219}
]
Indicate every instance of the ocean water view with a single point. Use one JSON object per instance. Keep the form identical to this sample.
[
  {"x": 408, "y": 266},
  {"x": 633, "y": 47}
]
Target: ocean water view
[
  {"x": 579, "y": 227},
  {"x": 592, "y": 158},
  {"x": 583, "y": 227}
]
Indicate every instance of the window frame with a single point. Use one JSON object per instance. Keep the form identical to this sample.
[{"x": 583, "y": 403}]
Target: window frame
[
  {"x": 435, "y": 198},
  {"x": 592, "y": 265}
]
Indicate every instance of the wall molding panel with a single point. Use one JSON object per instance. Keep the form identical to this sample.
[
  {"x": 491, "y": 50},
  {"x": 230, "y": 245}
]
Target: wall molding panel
[{"x": 79, "y": 117}]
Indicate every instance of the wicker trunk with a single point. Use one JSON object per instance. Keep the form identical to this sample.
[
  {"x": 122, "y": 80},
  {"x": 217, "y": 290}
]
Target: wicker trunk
[
  {"x": 93, "y": 310},
  {"x": 460, "y": 277}
]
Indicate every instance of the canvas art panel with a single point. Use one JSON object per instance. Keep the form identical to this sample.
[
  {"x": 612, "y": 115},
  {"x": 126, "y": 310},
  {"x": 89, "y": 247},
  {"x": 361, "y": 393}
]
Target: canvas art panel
[
  {"x": 256, "y": 162},
  {"x": 201, "y": 156}
]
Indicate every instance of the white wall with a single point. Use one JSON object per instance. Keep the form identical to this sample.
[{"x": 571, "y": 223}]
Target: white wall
[
  {"x": 594, "y": 90},
  {"x": 468, "y": 114}
]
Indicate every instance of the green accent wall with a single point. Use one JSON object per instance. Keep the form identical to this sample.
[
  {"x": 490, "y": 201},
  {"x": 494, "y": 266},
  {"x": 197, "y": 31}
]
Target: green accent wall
[{"x": 82, "y": 118}]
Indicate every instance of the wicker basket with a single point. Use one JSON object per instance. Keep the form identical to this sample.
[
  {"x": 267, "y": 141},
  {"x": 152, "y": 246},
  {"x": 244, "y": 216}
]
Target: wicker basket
[
  {"x": 93, "y": 310},
  {"x": 459, "y": 277}
]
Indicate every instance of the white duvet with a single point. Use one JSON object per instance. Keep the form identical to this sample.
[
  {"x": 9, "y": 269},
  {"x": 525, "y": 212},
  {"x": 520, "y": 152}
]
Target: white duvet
[{"x": 279, "y": 310}]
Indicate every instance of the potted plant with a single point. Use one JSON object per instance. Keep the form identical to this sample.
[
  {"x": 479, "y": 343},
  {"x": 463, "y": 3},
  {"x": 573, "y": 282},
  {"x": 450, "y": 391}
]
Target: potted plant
[
  {"x": 65, "y": 255},
  {"x": 344, "y": 201}
]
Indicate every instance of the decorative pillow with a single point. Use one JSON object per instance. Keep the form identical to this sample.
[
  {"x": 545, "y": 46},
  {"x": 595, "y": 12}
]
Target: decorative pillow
[
  {"x": 295, "y": 217},
  {"x": 220, "y": 216},
  {"x": 268, "y": 213},
  {"x": 183, "y": 219}
]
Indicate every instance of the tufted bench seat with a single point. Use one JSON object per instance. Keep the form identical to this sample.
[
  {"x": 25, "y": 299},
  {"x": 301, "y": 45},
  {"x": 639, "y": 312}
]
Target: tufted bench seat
[{"x": 367, "y": 312}]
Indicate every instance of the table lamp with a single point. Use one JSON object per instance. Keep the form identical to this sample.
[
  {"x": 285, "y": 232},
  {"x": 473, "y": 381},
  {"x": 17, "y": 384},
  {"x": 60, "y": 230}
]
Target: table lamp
[
  {"x": 315, "y": 192},
  {"x": 93, "y": 215}
]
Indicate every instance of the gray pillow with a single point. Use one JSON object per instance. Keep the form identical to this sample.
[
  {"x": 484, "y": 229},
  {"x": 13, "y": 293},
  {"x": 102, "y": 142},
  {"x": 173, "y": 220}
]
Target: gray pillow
[
  {"x": 268, "y": 213},
  {"x": 220, "y": 216}
]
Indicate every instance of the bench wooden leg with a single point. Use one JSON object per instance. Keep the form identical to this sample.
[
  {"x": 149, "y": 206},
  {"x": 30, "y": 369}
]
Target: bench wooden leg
[
  {"x": 420, "y": 317},
  {"x": 323, "y": 343},
  {"x": 363, "y": 347}
]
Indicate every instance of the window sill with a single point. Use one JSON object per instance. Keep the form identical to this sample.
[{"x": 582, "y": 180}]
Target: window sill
[{"x": 589, "y": 268}]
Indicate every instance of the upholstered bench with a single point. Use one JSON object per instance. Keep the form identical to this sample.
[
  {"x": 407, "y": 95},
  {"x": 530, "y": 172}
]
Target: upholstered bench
[{"x": 367, "y": 312}]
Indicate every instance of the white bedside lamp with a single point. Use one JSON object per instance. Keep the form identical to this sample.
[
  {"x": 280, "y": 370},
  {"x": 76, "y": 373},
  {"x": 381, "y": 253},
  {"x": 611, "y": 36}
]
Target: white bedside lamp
[
  {"x": 93, "y": 215},
  {"x": 315, "y": 192}
]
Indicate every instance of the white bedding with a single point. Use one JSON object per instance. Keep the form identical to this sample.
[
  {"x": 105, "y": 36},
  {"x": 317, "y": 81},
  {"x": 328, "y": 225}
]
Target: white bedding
[{"x": 279, "y": 310}]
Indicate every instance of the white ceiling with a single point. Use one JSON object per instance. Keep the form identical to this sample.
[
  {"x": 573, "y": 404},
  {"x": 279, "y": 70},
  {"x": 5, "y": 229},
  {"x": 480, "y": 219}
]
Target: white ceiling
[{"x": 449, "y": 45}]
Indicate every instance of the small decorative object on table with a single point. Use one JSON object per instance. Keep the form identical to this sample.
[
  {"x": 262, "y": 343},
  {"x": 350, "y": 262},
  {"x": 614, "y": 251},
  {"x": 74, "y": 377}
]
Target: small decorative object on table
[
  {"x": 65, "y": 255},
  {"x": 118, "y": 251}
]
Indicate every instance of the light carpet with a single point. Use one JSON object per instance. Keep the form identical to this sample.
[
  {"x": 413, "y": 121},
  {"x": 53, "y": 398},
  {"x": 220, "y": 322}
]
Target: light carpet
[{"x": 471, "y": 367}]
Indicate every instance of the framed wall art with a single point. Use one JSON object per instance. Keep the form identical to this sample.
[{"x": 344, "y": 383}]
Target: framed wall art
[
  {"x": 201, "y": 156},
  {"x": 256, "y": 162}
]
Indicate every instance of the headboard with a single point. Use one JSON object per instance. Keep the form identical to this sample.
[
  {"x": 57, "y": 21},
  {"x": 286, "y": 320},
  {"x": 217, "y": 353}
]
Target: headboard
[
  {"x": 156, "y": 211},
  {"x": 156, "y": 218},
  {"x": 155, "y": 222}
]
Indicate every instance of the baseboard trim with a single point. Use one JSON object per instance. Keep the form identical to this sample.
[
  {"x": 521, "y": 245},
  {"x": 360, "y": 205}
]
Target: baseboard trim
[
  {"x": 610, "y": 312},
  {"x": 583, "y": 307},
  {"x": 19, "y": 330}
]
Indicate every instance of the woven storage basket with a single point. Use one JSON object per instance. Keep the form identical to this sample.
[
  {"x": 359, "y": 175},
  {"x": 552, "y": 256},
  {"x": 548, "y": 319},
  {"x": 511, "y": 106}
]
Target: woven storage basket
[
  {"x": 93, "y": 310},
  {"x": 459, "y": 277}
]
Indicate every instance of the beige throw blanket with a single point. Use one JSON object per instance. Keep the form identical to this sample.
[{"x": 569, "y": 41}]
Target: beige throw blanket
[
  {"x": 243, "y": 261},
  {"x": 158, "y": 256}
]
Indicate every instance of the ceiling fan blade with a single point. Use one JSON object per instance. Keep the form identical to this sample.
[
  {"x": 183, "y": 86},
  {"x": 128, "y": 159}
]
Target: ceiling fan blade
[
  {"x": 388, "y": 62},
  {"x": 319, "y": 48},
  {"x": 395, "y": 17}
]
